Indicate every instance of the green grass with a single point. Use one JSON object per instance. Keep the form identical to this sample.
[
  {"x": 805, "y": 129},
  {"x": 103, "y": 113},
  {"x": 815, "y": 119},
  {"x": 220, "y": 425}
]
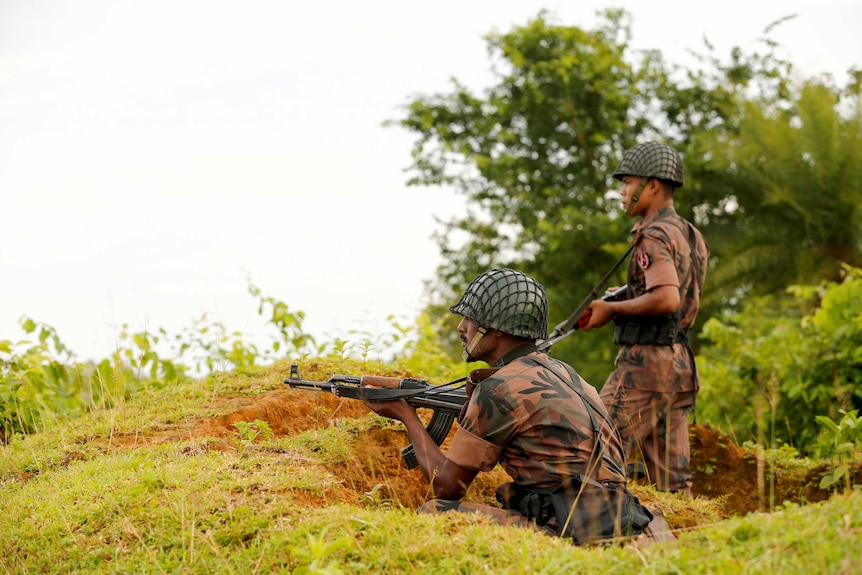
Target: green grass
[{"x": 73, "y": 501}]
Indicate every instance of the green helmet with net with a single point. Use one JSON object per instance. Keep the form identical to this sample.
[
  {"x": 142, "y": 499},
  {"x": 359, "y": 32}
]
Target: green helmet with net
[
  {"x": 506, "y": 300},
  {"x": 652, "y": 160}
]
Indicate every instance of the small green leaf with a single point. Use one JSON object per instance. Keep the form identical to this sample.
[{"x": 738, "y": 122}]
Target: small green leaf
[{"x": 838, "y": 473}]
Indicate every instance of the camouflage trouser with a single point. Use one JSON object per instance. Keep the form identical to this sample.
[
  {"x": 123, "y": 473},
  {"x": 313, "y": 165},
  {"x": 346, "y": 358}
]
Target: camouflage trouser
[
  {"x": 654, "y": 425},
  {"x": 495, "y": 514}
]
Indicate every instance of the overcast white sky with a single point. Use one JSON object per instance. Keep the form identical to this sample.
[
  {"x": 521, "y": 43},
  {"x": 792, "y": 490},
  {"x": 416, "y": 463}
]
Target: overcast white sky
[{"x": 155, "y": 153}]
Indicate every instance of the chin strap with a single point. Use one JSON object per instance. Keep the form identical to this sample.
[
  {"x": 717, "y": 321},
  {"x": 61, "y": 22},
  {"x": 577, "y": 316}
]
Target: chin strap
[
  {"x": 468, "y": 351},
  {"x": 636, "y": 196}
]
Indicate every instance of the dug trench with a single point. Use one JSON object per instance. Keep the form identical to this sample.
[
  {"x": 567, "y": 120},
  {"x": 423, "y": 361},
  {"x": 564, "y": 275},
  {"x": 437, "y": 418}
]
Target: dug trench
[
  {"x": 734, "y": 479},
  {"x": 741, "y": 479}
]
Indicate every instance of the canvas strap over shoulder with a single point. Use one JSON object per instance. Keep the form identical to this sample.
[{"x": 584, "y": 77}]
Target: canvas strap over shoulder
[{"x": 573, "y": 382}]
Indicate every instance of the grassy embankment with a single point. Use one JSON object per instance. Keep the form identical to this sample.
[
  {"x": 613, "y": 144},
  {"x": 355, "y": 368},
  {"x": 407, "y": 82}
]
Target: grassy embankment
[{"x": 166, "y": 483}]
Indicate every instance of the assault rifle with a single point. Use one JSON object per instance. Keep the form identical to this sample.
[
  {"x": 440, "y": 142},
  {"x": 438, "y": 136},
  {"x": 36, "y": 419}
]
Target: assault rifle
[{"x": 445, "y": 400}]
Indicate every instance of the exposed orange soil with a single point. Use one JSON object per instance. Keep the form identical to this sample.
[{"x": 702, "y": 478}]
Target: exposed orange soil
[{"x": 721, "y": 470}]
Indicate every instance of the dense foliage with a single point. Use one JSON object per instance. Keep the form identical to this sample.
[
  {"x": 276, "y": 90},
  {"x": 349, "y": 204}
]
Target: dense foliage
[
  {"x": 532, "y": 154},
  {"x": 792, "y": 170},
  {"x": 42, "y": 381},
  {"x": 772, "y": 368}
]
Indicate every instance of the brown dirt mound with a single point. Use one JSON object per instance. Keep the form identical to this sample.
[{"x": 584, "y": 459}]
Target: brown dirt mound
[
  {"x": 375, "y": 470},
  {"x": 721, "y": 470},
  {"x": 745, "y": 481},
  {"x": 289, "y": 412}
]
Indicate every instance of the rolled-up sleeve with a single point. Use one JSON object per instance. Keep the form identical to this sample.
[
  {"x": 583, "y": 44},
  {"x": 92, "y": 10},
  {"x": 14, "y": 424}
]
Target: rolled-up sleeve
[
  {"x": 473, "y": 452},
  {"x": 660, "y": 269}
]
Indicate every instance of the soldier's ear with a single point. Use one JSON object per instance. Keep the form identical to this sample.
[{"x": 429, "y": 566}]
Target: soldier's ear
[{"x": 497, "y": 334}]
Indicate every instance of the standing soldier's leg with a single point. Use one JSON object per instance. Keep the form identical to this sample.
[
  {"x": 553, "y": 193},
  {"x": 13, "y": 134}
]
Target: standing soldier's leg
[
  {"x": 667, "y": 451},
  {"x": 632, "y": 412},
  {"x": 679, "y": 452}
]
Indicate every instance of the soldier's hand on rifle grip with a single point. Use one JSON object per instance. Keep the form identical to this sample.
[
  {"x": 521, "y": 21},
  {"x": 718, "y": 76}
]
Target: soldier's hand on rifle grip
[
  {"x": 395, "y": 409},
  {"x": 598, "y": 314}
]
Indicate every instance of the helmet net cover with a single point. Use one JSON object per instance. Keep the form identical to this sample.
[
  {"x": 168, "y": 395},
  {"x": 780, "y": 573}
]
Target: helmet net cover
[
  {"x": 652, "y": 160},
  {"x": 506, "y": 300}
]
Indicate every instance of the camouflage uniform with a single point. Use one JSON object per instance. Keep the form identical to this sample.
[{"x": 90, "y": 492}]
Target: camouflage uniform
[
  {"x": 530, "y": 420},
  {"x": 535, "y": 425},
  {"x": 653, "y": 388}
]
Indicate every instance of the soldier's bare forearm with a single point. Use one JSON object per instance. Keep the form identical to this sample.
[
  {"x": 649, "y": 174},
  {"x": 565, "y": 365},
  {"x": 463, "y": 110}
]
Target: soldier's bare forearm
[
  {"x": 658, "y": 301},
  {"x": 428, "y": 454}
]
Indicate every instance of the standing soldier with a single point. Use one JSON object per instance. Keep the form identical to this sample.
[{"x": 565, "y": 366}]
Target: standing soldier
[
  {"x": 534, "y": 416},
  {"x": 654, "y": 385}
]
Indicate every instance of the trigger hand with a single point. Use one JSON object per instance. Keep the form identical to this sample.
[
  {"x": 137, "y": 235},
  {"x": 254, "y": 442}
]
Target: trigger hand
[{"x": 584, "y": 320}]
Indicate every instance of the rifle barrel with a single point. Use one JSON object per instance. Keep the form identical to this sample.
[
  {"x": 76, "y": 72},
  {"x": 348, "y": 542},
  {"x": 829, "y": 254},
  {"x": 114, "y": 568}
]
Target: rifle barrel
[
  {"x": 302, "y": 384},
  {"x": 428, "y": 397}
]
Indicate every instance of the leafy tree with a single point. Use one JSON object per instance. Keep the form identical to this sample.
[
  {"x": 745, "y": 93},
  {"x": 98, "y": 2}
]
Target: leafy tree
[
  {"x": 793, "y": 180},
  {"x": 532, "y": 155},
  {"x": 772, "y": 168}
]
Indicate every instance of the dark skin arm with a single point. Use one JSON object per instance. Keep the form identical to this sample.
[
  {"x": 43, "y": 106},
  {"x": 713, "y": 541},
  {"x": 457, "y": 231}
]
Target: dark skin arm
[
  {"x": 657, "y": 301},
  {"x": 448, "y": 480}
]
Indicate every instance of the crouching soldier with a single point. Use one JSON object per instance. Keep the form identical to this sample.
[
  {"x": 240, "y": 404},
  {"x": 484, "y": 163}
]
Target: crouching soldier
[{"x": 535, "y": 416}]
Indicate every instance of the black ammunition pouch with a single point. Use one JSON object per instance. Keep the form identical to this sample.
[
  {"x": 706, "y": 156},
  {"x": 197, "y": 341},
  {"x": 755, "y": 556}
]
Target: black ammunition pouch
[
  {"x": 580, "y": 508},
  {"x": 661, "y": 330}
]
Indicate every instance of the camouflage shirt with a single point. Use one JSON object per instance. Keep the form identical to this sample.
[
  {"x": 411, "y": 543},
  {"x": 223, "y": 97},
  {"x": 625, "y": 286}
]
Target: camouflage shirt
[
  {"x": 663, "y": 256},
  {"x": 531, "y": 421}
]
